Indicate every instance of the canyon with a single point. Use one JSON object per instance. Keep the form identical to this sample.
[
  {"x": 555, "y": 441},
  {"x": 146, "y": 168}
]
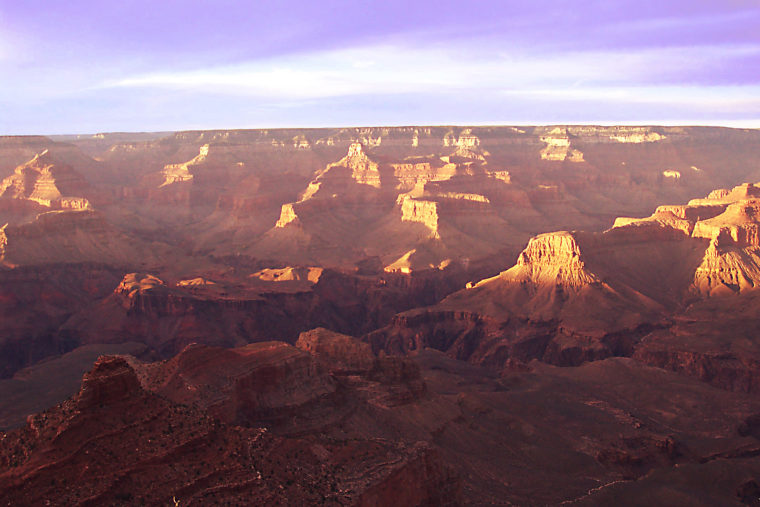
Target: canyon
[{"x": 389, "y": 315}]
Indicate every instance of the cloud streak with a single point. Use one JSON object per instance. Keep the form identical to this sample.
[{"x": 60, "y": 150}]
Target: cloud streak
[
  {"x": 143, "y": 65},
  {"x": 403, "y": 70}
]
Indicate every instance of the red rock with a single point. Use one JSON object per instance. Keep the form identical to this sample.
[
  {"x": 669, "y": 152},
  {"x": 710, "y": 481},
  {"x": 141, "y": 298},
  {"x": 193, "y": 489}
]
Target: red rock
[{"x": 116, "y": 443}]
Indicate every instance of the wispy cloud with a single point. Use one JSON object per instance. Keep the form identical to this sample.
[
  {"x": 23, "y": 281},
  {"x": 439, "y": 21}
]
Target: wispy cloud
[
  {"x": 403, "y": 70},
  {"x": 267, "y": 63}
]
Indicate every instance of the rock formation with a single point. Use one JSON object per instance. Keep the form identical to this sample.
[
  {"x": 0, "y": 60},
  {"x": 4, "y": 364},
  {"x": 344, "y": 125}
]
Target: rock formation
[
  {"x": 341, "y": 353},
  {"x": 42, "y": 183},
  {"x": 558, "y": 147},
  {"x": 131, "y": 436},
  {"x": 75, "y": 236},
  {"x": 645, "y": 287},
  {"x": 391, "y": 305},
  {"x": 178, "y": 173},
  {"x": 509, "y": 423},
  {"x": 726, "y": 219},
  {"x": 417, "y": 210},
  {"x": 261, "y": 382}
]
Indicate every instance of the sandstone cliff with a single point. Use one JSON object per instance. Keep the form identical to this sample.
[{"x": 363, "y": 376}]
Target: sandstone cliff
[
  {"x": 42, "y": 183},
  {"x": 573, "y": 297}
]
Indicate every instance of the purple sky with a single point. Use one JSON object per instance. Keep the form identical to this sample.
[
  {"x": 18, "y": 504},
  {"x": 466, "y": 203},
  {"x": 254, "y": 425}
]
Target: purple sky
[{"x": 128, "y": 65}]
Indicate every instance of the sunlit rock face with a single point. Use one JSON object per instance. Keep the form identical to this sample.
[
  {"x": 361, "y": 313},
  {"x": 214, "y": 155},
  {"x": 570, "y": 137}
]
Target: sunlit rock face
[
  {"x": 636, "y": 135},
  {"x": 46, "y": 182},
  {"x": 287, "y": 216},
  {"x": 363, "y": 170},
  {"x": 558, "y": 147},
  {"x": 281, "y": 193},
  {"x": 728, "y": 221},
  {"x": 178, "y": 173},
  {"x": 553, "y": 259},
  {"x": 573, "y": 297},
  {"x": 421, "y": 211}
]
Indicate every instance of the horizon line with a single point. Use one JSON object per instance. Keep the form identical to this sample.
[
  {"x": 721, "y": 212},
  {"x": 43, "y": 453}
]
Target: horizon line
[{"x": 729, "y": 124}]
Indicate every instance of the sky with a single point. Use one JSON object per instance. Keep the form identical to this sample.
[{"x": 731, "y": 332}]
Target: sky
[{"x": 85, "y": 66}]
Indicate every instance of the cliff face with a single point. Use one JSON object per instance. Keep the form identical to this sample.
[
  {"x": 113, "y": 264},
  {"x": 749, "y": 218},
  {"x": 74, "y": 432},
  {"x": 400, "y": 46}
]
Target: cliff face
[
  {"x": 42, "y": 183},
  {"x": 420, "y": 211},
  {"x": 287, "y": 216},
  {"x": 574, "y": 297},
  {"x": 341, "y": 353},
  {"x": 558, "y": 147},
  {"x": 551, "y": 259},
  {"x": 227, "y": 192},
  {"x": 727, "y": 220},
  {"x": 363, "y": 170},
  {"x": 179, "y": 173}
]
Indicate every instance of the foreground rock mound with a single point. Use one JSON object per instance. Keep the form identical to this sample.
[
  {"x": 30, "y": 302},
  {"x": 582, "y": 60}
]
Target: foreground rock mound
[
  {"x": 473, "y": 436},
  {"x": 111, "y": 441},
  {"x": 262, "y": 382}
]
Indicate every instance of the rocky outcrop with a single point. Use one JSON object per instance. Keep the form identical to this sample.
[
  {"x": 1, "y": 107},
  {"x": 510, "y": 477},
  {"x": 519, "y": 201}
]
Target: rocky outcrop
[
  {"x": 179, "y": 173},
  {"x": 363, "y": 170},
  {"x": 144, "y": 294},
  {"x": 558, "y": 147},
  {"x": 727, "y": 196},
  {"x": 112, "y": 380},
  {"x": 550, "y": 259},
  {"x": 412, "y": 176},
  {"x": 731, "y": 271},
  {"x": 131, "y": 436},
  {"x": 288, "y": 216},
  {"x": 48, "y": 183},
  {"x": 289, "y": 274},
  {"x": 728, "y": 223},
  {"x": 420, "y": 211},
  {"x": 132, "y": 283},
  {"x": 331, "y": 187},
  {"x": 636, "y": 135},
  {"x": 736, "y": 226},
  {"x": 343, "y": 354},
  {"x": 261, "y": 383}
]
